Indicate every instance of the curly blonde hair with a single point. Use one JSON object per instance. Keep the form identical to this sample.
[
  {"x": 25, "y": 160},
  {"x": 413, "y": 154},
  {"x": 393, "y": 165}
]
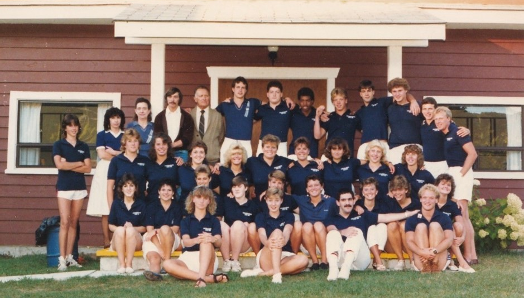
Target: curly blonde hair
[{"x": 232, "y": 149}]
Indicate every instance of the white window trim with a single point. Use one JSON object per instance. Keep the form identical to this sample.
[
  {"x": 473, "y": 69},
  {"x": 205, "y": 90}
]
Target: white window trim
[
  {"x": 17, "y": 96},
  {"x": 278, "y": 73},
  {"x": 486, "y": 100}
]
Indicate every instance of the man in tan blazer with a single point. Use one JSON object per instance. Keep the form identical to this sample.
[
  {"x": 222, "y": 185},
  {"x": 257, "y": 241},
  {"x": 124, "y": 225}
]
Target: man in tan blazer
[{"x": 209, "y": 125}]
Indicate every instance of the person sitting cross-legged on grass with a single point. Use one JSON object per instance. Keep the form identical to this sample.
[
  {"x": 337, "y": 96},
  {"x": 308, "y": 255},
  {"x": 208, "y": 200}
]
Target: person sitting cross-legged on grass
[
  {"x": 200, "y": 232},
  {"x": 347, "y": 231},
  {"x": 274, "y": 228},
  {"x": 126, "y": 221},
  {"x": 163, "y": 218},
  {"x": 429, "y": 234}
]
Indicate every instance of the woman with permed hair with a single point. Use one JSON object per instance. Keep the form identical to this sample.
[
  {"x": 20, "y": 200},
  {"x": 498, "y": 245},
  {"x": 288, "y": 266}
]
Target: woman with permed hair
[
  {"x": 107, "y": 147},
  {"x": 201, "y": 235}
]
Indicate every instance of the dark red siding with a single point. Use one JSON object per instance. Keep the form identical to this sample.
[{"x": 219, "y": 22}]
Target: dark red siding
[{"x": 90, "y": 59}]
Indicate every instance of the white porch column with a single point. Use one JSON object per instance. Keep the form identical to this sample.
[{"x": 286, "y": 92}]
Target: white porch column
[
  {"x": 158, "y": 77},
  {"x": 394, "y": 62},
  {"x": 330, "y": 86}
]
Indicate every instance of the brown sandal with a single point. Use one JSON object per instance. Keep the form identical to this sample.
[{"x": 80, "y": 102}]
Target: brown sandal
[
  {"x": 200, "y": 283},
  {"x": 224, "y": 278}
]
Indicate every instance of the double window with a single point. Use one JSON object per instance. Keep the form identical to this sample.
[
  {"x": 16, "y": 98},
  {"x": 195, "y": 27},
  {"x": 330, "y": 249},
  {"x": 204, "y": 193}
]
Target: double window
[
  {"x": 496, "y": 131},
  {"x": 35, "y": 124}
]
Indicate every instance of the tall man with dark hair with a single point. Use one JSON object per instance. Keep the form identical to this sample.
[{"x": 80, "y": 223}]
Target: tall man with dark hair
[{"x": 176, "y": 122}]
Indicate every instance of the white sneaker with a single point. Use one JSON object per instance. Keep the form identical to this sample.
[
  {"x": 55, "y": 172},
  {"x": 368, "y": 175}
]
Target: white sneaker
[
  {"x": 62, "y": 264},
  {"x": 235, "y": 266},
  {"x": 469, "y": 270},
  {"x": 344, "y": 272},
  {"x": 226, "y": 265},
  {"x": 121, "y": 270},
  {"x": 277, "y": 278},
  {"x": 251, "y": 272},
  {"x": 400, "y": 265},
  {"x": 453, "y": 267},
  {"x": 71, "y": 262},
  {"x": 130, "y": 270}
]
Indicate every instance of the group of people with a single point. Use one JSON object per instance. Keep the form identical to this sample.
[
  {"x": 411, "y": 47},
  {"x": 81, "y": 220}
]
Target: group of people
[{"x": 187, "y": 181}]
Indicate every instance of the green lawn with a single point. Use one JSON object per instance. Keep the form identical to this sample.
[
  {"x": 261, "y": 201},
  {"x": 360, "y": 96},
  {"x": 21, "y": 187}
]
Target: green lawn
[{"x": 498, "y": 275}]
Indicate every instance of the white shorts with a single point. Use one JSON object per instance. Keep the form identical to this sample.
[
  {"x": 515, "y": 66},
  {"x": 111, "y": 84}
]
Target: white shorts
[
  {"x": 148, "y": 246},
  {"x": 281, "y": 151},
  {"x": 464, "y": 184},
  {"x": 361, "y": 153},
  {"x": 285, "y": 254},
  {"x": 72, "y": 195},
  {"x": 436, "y": 167},
  {"x": 304, "y": 250},
  {"x": 228, "y": 142},
  {"x": 191, "y": 259}
]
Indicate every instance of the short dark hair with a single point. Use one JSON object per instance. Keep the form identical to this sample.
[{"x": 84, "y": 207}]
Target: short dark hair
[
  {"x": 171, "y": 91},
  {"x": 344, "y": 191},
  {"x": 165, "y": 140},
  {"x": 170, "y": 183},
  {"x": 366, "y": 84},
  {"x": 139, "y": 100},
  {"x": 448, "y": 178},
  {"x": 370, "y": 181},
  {"x": 400, "y": 182},
  {"x": 71, "y": 119},
  {"x": 429, "y": 100},
  {"x": 314, "y": 178},
  {"x": 127, "y": 177},
  {"x": 276, "y": 84},
  {"x": 305, "y": 91},
  {"x": 112, "y": 112},
  {"x": 196, "y": 144},
  {"x": 239, "y": 180},
  {"x": 239, "y": 80},
  {"x": 300, "y": 141}
]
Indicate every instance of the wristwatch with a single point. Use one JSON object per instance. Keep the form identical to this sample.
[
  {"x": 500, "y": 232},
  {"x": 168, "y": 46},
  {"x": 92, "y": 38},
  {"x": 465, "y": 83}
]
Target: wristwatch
[{"x": 435, "y": 251}]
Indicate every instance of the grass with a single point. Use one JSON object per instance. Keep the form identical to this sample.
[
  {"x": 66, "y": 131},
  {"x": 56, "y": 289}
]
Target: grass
[{"x": 498, "y": 275}]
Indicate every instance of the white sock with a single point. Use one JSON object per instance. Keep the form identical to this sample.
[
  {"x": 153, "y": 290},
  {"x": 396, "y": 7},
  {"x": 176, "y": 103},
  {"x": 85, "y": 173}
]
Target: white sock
[
  {"x": 333, "y": 267},
  {"x": 345, "y": 270},
  {"x": 277, "y": 278}
]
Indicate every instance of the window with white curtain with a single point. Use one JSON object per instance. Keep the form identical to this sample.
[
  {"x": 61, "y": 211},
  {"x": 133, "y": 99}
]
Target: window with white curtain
[
  {"x": 496, "y": 131},
  {"x": 35, "y": 124}
]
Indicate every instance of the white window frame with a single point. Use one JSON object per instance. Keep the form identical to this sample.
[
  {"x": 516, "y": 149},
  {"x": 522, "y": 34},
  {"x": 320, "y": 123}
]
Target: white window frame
[
  {"x": 17, "y": 96},
  {"x": 486, "y": 100}
]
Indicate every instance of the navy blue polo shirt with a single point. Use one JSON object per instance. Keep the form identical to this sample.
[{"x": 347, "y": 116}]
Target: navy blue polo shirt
[
  {"x": 339, "y": 175},
  {"x": 225, "y": 180},
  {"x": 146, "y": 136},
  {"x": 244, "y": 213},
  {"x": 441, "y": 218},
  {"x": 239, "y": 120},
  {"x": 432, "y": 142},
  {"x": 157, "y": 216},
  {"x": 187, "y": 181},
  {"x": 374, "y": 119},
  {"x": 288, "y": 204},
  {"x": 451, "y": 209},
  {"x": 191, "y": 226},
  {"x": 302, "y": 126},
  {"x": 257, "y": 171},
  {"x": 274, "y": 121},
  {"x": 382, "y": 175},
  {"x": 405, "y": 128},
  {"x": 155, "y": 173},
  {"x": 270, "y": 224},
  {"x": 297, "y": 174},
  {"x": 310, "y": 213},
  {"x": 361, "y": 222},
  {"x": 379, "y": 207},
  {"x": 453, "y": 151},
  {"x": 120, "y": 165},
  {"x": 106, "y": 139},
  {"x": 67, "y": 179},
  {"x": 119, "y": 214},
  {"x": 392, "y": 206},
  {"x": 343, "y": 126},
  {"x": 416, "y": 180}
]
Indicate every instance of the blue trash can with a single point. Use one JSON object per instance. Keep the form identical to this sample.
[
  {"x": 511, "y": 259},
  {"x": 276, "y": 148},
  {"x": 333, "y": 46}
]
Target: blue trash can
[{"x": 53, "y": 248}]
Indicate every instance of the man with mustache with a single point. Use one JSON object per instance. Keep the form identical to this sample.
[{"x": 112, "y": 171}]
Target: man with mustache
[{"x": 345, "y": 243}]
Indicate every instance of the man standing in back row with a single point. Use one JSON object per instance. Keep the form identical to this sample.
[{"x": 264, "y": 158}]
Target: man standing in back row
[{"x": 209, "y": 125}]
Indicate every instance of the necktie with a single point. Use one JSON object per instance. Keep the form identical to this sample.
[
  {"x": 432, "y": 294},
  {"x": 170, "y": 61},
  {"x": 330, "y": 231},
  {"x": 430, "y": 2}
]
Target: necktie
[{"x": 201, "y": 125}]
